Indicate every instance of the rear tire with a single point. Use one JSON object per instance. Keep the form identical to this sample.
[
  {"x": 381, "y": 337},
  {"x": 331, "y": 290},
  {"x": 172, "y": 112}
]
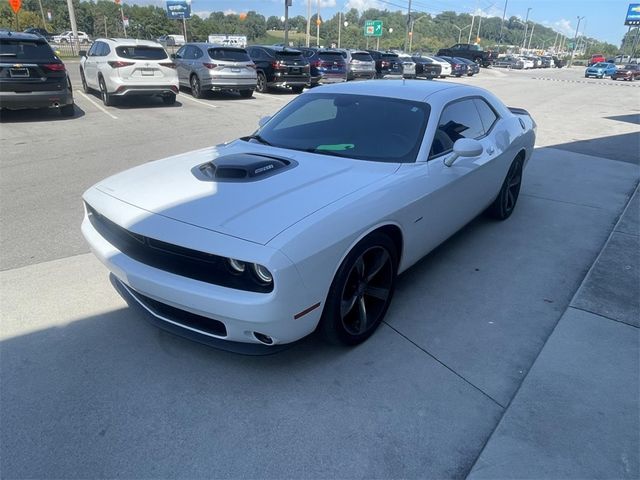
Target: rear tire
[
  {"x": 169, "y": 99},
  {"x": 246, "y": 93},
  {"x": 297, "y": 89},
  {"x": 85, "y": 87},
  {"x": 261, "y": 83},
  {"x": 67, "y": 110},
  {"x": 504, "y": 204},
  {"x": 107, "y": 98},
  {"x": 196, "y": 88},
  {"x": 361, "y": 291}
]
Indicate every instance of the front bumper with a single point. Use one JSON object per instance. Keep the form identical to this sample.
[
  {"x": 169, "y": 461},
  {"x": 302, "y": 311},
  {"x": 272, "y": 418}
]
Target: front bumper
[
  {"x": 242, "y": 313},
  {"x": 23, "y": 100}
]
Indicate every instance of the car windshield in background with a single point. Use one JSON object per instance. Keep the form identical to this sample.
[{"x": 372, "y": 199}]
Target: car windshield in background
[
  {"x": 602, "y": 65},
  {"x": 229, "y": 54},
  {"x": 330, "y": 57},
  {"x": 363, "y": 57},
  {"x": 25, "y": 50},
  {"x": 141, "y": 53},
  {"x": 389, "y": 55},
  {"x": 356, "y": 126},
  {"x": 289, "y": 55},
  {"x": 632, "y": 67}
]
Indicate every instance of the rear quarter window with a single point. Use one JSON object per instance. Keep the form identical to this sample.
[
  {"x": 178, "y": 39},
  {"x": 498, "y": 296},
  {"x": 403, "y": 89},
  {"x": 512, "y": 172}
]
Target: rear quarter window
[
  {"x": 289, "y": 55},
  {"x": 363, "y": 57},
  {"x": 229, "y": 54},
  {"x": 331, "y": 57},
  {"x": 141, "y": 53},
  {"x": 25, "y": 50}
]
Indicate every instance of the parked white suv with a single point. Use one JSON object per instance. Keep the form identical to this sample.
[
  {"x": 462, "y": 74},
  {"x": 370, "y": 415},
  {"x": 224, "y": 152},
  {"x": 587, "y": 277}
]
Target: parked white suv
[
  {"x": 65, "y": 37},
  {"x": 119, "y": 67}
]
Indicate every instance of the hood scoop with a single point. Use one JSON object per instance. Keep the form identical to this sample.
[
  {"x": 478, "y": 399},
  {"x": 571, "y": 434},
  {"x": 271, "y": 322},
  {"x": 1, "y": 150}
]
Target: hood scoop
[{"x": 242, "y": 167}]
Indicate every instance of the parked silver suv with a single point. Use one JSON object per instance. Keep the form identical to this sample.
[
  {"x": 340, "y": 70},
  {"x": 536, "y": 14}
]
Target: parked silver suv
[
  {"x": 206, "y": 66},
  {"x": 359, "y": 64},
  {"x": 120, "y": 67}
]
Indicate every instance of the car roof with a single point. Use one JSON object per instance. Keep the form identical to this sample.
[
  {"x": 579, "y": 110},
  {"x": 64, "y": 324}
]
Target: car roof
[
  {"x": 416, "y": 90},
  {"x": 129, "y": 41},
  {"x": 214, "y": 45},
  {"x": 10, "y": 34},
  {"x": 278, "y": 48}
]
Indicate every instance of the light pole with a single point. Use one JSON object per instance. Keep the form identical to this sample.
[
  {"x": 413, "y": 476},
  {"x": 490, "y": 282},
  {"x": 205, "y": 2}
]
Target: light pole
[
  {"x": 504, "y": 12},
  {"x": 533, "y": 26},
  {"x": 308, "y": 21},
  {"x": 473, "y": 18},
  {"x": 413, "y": 22},
  {"x": 287, "y": 4},
  {"x": 340, "y": 23},
  {"x": 318, "y": 25},
  {"x": 526, "y": 28},
  {"x": 406, "y": 37},
  {"x": 74, "y": 27},
  {"x": 460, "y": 30},
  {"x": 575, "y": 41}
]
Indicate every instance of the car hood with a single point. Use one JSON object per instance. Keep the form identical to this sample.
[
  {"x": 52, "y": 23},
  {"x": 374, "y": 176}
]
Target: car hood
[{"x": 256, "y": 210}]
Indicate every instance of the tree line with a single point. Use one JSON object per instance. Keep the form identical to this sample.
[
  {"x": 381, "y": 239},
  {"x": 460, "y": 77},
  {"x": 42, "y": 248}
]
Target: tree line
[{"x": 430, "y": 32}]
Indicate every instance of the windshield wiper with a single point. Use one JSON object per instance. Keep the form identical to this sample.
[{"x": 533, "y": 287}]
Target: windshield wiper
[
  {"x": 257, "y": 138},
  {"x": 323, "y": 151}
]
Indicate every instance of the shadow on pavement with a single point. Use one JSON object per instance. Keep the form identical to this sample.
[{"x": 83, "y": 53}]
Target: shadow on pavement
[
  {"x": 624, "y": 147},
  {"x": 38, "y": 115}
]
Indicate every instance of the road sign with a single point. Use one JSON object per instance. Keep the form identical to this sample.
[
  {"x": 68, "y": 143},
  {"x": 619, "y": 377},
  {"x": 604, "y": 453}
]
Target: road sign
[
  {"x": 373, "y": 28},
  {"x": 15, "y": 5},
  {"x": 179, "y": 9},
  {"x": 633, "y": 15}
]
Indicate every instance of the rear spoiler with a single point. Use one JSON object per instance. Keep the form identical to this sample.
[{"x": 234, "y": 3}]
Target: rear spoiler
[{"x": 524, "y": 113}]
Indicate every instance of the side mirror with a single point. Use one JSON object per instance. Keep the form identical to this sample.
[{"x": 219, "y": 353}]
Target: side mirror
[
  {"x": 464, "y": 147},
  {"x": 83, "y": 53},
  {"x": 264, "y": 120}
]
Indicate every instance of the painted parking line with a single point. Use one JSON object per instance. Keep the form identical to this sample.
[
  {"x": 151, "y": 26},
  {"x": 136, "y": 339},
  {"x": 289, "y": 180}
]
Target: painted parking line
[
  {"x": 589, "y": 82},
  {"x": 99, "y": 107},
  {"x": 191, "y": 99}
]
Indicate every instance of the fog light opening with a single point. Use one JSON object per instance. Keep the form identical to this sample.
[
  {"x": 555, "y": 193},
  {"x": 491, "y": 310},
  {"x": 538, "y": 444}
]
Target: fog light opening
[{"x": 261, "y": 337}]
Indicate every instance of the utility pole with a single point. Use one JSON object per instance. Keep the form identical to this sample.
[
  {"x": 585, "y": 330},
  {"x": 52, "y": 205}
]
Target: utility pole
[
  {"x": 471, "y": 29},
  {"x": 575, "y": 41},
  {"x": 531, "y": 36},
  {"x": 74, "y": 27},
  {"x": 44, "y": 23},
  {"x": 555, "y": 41},
  {"x": 504, "y": 13},
  {"x": 308, "y": 22},
  {"x": 406, "y": 36},
  {"x": 287, "y": 4},
  {"x": 526, "y": 28},
  {"x": 318, "y": 24}
]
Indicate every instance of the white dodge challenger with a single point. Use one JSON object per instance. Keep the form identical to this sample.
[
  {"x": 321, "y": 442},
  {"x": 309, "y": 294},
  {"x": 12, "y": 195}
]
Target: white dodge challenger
[{"x": 306, "y": 224}]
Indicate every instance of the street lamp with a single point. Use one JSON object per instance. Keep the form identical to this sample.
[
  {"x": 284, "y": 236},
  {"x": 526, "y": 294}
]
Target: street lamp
[
  {"x": 340, "y": 24},
  {"x": 526, "y": 28},
  {"x": 460, "y": 30},
  {"x": 575, "y": 41},
  {"x": 413, "y": 22}
]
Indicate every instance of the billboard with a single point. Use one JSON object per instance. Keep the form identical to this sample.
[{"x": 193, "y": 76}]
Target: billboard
[
  {"x": 179, "y": 9},
  {"x": 633, "y": 15}
]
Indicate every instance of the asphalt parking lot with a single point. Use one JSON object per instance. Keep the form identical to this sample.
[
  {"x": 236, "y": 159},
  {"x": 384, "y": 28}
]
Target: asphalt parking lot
[{"x": 492, "y": 361}]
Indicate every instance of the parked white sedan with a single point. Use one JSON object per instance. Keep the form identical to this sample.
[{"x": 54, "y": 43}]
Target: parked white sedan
[{"x": 307, "y": 223}]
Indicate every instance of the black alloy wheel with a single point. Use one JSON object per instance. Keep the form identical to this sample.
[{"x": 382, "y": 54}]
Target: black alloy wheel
[
  {"x": 361, "y": 291},
  {"x": 261, "y": 83},
  {"x": 503, "y": 206},
  {"x": 196, "y": 89}
]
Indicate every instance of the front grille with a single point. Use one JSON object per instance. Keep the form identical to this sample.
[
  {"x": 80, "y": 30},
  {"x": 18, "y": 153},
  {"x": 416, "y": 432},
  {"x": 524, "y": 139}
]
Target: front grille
[
  {"x": 182, "y": 317},
  {"x": 202, "y": 266}
]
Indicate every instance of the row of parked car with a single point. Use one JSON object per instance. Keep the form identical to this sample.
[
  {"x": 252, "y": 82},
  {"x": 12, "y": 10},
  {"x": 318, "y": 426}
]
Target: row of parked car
[{"x": 35, "y": 77}]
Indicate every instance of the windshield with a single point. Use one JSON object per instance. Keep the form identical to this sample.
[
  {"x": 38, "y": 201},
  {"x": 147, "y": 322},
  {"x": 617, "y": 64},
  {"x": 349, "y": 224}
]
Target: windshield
[
  {"x": 141, "y": 53},
  {"x": 363, "y": 57},
  {"x": 230, "y": 54},
  {"x": 26, "y": 49},
  {"x": 602, "y": 65},
  {"x": 356, "y": 126}
]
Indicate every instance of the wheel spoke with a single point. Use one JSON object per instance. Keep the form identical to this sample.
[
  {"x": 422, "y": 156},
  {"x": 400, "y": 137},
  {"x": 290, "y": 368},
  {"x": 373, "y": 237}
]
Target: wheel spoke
[
  {"x": 347, "y": 305},
  {"x": 362, "y": 314},
  {"x": 380, "y": 262},
  {"x": 359, "y": 266},
  {"x": 376, "y": 292},
  {"x": 510, "y": 199}
]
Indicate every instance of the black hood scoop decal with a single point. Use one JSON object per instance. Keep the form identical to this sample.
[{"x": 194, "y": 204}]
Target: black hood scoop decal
[{"x": 242, "y": 167}]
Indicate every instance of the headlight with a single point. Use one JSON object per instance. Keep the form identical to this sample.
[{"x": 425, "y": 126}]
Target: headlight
[
  {"x": 236, "y": 265},
  {"x": 262, "y": 273}
]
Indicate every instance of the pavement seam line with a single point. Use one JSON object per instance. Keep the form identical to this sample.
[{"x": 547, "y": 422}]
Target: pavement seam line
[
  {"x": 99, "y": 107},
  {"x": 445, "y": 365},
  {"x": 515, "y": 394},
  {"x": 602, "y": 316},
  {"x": 561, "y": 201}
]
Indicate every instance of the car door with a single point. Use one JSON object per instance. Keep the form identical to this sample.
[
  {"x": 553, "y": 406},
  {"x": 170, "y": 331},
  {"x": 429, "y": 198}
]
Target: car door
[
  {"x": 454, "y": 195},
  {"x": 90, "y": 67},
  {"x": 181, "y": 66}
]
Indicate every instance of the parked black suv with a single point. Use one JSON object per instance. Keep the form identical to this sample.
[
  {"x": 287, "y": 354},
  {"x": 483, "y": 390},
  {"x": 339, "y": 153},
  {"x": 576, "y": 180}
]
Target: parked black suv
[
  {"x": 326, "y": 66},
  {"x": 31, "y": 76},
  {"x": 40, "y": 31},
  {"x": 387, "y": 64},
  {"x": 279, "y": 67}
]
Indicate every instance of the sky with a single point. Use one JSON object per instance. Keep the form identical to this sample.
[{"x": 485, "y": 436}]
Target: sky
[{"x": 604, "y": 19}]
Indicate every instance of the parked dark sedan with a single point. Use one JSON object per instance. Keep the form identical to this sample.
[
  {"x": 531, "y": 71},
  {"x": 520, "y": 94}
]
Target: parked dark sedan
[
  {"x": 629, "y": 72},
  {"x": 388, "y": 64},
  {"x": 325, "y": 66},
  {"x": 426, "y": 68},
  {"x": 458, "y": 68},
  {"x": 473, "y": 67},
  {"x": 279, "y": 67}
]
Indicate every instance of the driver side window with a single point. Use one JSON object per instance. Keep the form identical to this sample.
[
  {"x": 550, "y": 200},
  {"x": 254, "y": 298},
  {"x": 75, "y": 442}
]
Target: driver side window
[
  {"x": 180, "y": 53},
  {"x": 459, "y": 119}
]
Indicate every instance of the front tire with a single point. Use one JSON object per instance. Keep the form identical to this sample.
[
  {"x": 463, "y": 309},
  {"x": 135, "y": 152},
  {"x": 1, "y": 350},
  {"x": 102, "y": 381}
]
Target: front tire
[
  {"x": 261, "y": 83},
  {"x": 504, "y": 204},
  {"x": 85, "y": 86},
  {"x": 361, "y": 291}
]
